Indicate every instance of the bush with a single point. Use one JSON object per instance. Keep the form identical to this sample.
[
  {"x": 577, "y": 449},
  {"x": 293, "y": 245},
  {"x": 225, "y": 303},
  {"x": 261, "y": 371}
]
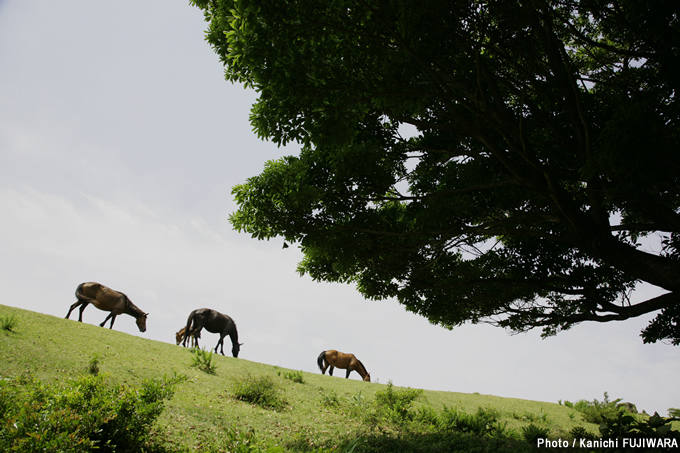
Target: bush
[
  {"x": 532, "y": 433},
  {"x": 295, "y": 376},
  {"x": 202, "y": 359},
  {"x": 330, "y": 399},
  {"x": 260, "y": 390},
  {"x": 36, "y": 418},
  {"x": 396, "y": 404},
  {"x": 85, "y": 414},
  {"x": 533, "y": 418},
  {"x": 596, "y": 412},
  {"x": 579, "y": 432},
  {"x": 628, "y": 426},
  {"x": 93, "y": 366},
  {"x": 427, "y": 416},
  {"x": 8, "y": 322},
  {"x": 136, "y": 410},
  {"x": 483, "y": 423}
]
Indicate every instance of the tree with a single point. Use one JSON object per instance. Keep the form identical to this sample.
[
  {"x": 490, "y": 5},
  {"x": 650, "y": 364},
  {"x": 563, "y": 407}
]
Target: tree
[{"x": 542, "y": 148}]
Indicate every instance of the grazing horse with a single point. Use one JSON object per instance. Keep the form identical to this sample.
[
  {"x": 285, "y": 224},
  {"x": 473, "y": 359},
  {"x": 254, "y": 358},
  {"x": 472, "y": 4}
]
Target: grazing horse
[
  {"x": 107, "y": 299},
  {"x": 179, "y": 336},
  {"x": 336, "y": 359},
  {"x": 214, "y": 322}
]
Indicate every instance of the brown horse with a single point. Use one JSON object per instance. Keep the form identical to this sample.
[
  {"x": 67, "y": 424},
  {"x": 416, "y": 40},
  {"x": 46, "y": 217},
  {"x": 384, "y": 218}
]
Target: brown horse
[
  {"x": 214, "y": 322},
  {"x": 336, "y": 359},
  {"x": 179, "y": 336},
  {"x": 107, "y": 299}
]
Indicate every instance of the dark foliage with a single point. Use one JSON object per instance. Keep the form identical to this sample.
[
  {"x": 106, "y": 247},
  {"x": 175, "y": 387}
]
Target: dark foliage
[
  {"x": 80, "y": 415},
  {"x": 544, "y": 148}
]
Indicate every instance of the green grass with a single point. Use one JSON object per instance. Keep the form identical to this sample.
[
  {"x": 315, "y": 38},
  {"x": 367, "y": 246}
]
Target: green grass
[{"x": 320, "y": 411}]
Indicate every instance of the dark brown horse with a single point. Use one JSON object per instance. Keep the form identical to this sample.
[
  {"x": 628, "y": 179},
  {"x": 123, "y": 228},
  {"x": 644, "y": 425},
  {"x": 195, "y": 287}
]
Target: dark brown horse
[
  {"x": 108, "y": 300},
  {"x": 336, "y": 359},
  {"x": 214, "y": 322},
  {"x": 179, "y": 336}
]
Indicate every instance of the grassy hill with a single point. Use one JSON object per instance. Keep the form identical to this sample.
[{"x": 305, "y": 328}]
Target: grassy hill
[{"x": 322, "y": 411}]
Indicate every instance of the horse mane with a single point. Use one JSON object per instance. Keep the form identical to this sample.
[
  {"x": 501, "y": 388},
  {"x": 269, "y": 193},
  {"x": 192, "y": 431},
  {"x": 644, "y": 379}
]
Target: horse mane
[
  {"x": 234, "y": 333},
  {"x": 136, "y": 311},
  {"x": 362, "y": 366}
]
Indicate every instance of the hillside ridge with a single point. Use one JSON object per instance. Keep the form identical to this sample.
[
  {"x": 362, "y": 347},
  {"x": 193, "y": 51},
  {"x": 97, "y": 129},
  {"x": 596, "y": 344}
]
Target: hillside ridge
[{"x": 54, "y": 349}]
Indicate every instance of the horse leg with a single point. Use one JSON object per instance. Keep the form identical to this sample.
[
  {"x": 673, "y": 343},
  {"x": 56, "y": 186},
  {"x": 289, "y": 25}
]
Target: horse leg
[
  {"x": 187, "y": 334},
  {"x": 220, "y": 342},
  {"x": 197, "y": 335},
  {"x": 73, "y": 307},
  {"x": 82, "y": 308},
  {"x": 112, "y": 317},
  {"x": 330, "y": 372},
  {"x": 348, "y": 371}
]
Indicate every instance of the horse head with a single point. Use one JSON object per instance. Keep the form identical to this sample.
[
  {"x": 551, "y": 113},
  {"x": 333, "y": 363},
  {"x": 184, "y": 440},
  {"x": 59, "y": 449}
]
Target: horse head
[
  {"x": 236, "y": 349},
  {"x": 141, "y": 322},
  {"x": 367, "y": 378},
  {"x": 179, "y": 336}
]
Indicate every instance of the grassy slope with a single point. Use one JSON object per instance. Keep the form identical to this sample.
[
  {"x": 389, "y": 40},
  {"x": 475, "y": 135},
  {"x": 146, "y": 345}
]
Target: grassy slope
[{"x": 52, "y": 348}]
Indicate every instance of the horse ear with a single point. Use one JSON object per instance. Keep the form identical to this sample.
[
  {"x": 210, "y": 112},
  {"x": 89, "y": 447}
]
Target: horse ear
[{"x": 240, "y": 344}]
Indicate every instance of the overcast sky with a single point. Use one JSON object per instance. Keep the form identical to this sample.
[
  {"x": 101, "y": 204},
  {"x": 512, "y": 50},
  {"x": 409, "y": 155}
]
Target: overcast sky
[{"x": 120, "y": 141}]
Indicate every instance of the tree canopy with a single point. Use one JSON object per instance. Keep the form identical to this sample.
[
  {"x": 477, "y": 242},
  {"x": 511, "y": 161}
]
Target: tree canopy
[{"x": 496, "y": 161}]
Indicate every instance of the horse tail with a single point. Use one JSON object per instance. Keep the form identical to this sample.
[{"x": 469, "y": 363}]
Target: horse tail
[
  {"x": 187, "y": 329},
  {"x": 320, "y": 359},
  {"x": 80, "y": 295}
]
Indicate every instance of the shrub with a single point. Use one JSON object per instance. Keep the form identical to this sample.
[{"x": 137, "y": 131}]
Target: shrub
[
  {"x": 137, "y": 409},
  {"x": 330, "y": 399},
  {"x": 357, "y": 399},
  {"x": 533, "y": 418},
  {"x": 85, "y": 414},
  {"x": 483, "y": 423},
  {"x": 626, "y": 425},
  {"x": 532, "y": 433},
  {"x": 8, "y": 322},
  {"x": 93, "y": 366},
  {"x": 202, "y": 359},
  {"x": 396, "y": 404},
  {"x": 579, "y": 432},
  {"x": 35, "y": 418},
  {"x": 259, "y": 390},
  {"x": 427, "y": 416},
  {"x": 580, "y": 405},
  {"x": 357, "y": 404},
  {"x": 295, "y": 376},
  {"x": 596, "y": 412}
]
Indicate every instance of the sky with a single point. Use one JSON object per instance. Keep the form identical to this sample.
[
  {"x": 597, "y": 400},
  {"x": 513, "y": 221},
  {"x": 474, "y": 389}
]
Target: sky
[{"x": 120, "y": 142}]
